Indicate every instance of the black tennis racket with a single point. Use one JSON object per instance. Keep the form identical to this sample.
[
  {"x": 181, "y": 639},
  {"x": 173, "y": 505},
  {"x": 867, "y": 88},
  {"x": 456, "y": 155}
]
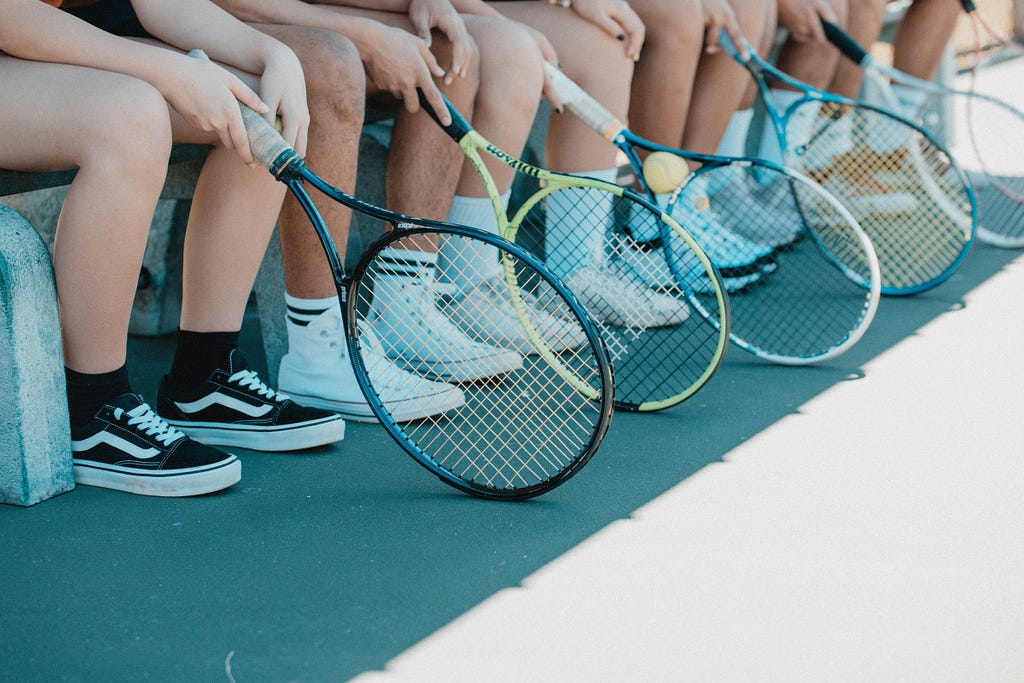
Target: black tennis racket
[
  {"x": 509, "y": 437},
  {"x": 899, "y": 182},
  {"x": 987, "y": 132},
  {"x": 822, "y": 290},
  {"x": 664, "y": 346}
]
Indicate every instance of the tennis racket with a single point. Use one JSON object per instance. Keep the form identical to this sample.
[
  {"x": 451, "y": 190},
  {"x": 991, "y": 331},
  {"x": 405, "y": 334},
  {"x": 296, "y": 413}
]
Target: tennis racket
[
  {"x": 822, "y": 292},
  {"x": 987, "y": 138},
  {"x": 511, "y": 437},
  {"x": 664, "y": 346},
  {"x": 899, "y": 182}
]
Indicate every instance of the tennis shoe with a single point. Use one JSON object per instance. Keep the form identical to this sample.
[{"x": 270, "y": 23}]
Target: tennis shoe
[
  {"x": 733, "y": 255},
  {"x": 233, "y": 407},
  {"x": 649, "y": 267},
  {"x": 419, "y": 338},
  {"x": 612, "y": 297},
  {"x": 127, "y": 447},
  {"x": 775, "y": 223},
  {"x": 487, "y": 314},
  {"x": 317, "y": 371}
]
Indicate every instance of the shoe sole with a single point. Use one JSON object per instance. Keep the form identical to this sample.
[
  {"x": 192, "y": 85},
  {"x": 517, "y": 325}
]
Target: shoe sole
[
  {"x": 406, "y": 411},
  {"x": 254, "y": 437},
  {"x": 194, "y": 481}
]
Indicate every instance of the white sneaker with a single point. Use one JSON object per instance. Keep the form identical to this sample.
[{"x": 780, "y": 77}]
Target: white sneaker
[
  {"x": 317, "y": 371},
  {"x": 778, "y": 224},
  {"x": 614, "y": 298},
  {"x": 486, "y": 314},
  {"x": 733, "y": 255},
  {"x": 421, "y": 339}
]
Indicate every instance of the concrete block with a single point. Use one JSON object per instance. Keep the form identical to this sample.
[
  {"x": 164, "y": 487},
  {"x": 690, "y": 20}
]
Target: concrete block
[{"x": 35, "y": 442}]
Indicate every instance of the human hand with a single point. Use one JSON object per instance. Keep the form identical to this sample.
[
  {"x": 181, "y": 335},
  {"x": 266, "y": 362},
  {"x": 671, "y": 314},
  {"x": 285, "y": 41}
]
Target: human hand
[
  {"x": 617, "y": 19},
  {"x": 283, "y": 89},
  {"x": 440, "y": 14},
  {"x": 802, "y": 18},
  {"x": 400, "y": 63},
  {"x": 719, "y": 16}
]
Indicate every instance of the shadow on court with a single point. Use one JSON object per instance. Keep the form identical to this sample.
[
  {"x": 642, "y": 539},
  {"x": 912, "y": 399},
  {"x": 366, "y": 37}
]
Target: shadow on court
[{"x": 323, "y": 564}]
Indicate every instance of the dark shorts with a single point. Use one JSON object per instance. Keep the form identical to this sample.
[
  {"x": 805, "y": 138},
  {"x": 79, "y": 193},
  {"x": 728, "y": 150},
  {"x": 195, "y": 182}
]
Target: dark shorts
[{"x": 114, "y": 16}]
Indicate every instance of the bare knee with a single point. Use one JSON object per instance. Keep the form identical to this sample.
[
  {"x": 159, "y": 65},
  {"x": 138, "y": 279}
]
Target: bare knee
[
  {"x": 672, "y": 26},
  {"x": 335, "y": 78},
  {"x": 129, "y": 134},
  {"x": 511, "y": 66}
]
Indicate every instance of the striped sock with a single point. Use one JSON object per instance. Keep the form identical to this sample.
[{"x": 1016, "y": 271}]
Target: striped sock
[{"x": 301, "y": 312}]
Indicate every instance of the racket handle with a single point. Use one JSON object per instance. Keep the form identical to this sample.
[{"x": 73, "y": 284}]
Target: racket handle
[
  {"x": 968, "y": 5},
  {"x": 847, "y": 45},
  {"x": 458, "y": 128},
  {"x": 589, "y": 110},
  {"x": 734, "y": 51},
  {"x": 268, "y": 147}
]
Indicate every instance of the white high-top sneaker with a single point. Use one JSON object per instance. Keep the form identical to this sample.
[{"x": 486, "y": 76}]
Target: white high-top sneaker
[
  {"x": 421, "y": 339},
  {"x": 317, "y": 371}
]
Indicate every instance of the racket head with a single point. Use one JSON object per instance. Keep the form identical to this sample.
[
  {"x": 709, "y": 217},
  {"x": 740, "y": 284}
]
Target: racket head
[
  {"x": 665, "y": 325},
  {"x": 821, "y": 291},
  {"x": 511, "y": 436},
  {"x": 901, "y": 184}
]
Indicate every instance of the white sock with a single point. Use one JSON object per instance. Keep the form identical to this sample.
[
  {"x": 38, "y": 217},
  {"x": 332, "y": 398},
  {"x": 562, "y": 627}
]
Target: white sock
[
  {"x": 734, "y": 139},
  {"x": 466, "y": 263},
  {"x": 301, "y": 312},
  {"x": 576, "y": 228}
]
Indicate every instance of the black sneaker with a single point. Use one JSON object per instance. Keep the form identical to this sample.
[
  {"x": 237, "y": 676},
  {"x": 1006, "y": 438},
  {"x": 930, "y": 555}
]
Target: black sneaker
[
  {"x": 129, "y": 448},
  {"x": 235, "y": 408}
]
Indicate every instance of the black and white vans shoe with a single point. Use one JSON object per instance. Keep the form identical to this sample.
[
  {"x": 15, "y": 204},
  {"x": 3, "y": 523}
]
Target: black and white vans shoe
[
  {"x": 235, "y": 408},
  {"x": 127, "y": 447}
]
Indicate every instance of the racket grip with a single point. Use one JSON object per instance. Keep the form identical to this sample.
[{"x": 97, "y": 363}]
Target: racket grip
[
  {"x": 847, "y": 45},
  {"x": 268, "y": 147},
  {"x": 586, "y": 108}
]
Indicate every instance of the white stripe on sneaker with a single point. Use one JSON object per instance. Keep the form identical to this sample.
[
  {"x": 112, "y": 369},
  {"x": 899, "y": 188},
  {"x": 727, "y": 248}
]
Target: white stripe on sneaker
[
  {"x": 116, "y": 442},
  {"x": 217, "y": 398}
]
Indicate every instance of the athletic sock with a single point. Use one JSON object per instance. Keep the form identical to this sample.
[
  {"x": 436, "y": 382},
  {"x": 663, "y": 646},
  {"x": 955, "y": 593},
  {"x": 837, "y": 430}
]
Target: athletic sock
[
  {"x": 301, "y": 312},
  {"x": 466, "y": 263},
  {"x": 797, "y": 130},
  {"x": 734, "y": 139},
  {"x": 87, "y": 393},
  {"x": 910, "y": 100},
  {"x": 197, "y": 355},
  {"x": 576, "y": 226}
]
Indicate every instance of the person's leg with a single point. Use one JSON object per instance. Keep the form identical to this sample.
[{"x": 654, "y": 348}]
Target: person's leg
[
  {"x": 115, "y": 130},
  {"x": 209, "y": 393},
  {"x": 863, "y": 25},
  {"x": 663, "y": 79},
  {"x": 923, "y": 35}
]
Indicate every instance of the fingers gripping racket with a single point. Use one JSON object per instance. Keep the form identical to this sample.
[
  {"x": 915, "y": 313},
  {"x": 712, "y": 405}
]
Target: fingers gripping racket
[
  {"x": 899, "y": 182},
  {"x": 522, "y": 431},
  {"x": 822, "y": 292},
  {"x": 987, "y": 133},
  {"x": 664, "y": 346}
]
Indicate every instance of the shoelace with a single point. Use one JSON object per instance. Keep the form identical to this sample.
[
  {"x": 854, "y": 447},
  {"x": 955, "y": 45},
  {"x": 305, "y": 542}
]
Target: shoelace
[
  {"x": 145, "y": 420},
  {"x": 248, "y": 379}
]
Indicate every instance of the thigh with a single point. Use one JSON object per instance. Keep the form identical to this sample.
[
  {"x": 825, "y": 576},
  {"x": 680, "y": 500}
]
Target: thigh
[{"x": 54, "y": 113}]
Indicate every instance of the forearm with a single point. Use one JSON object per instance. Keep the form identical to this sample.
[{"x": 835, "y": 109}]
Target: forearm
[
  {"x": 362, "y": 32},
  {"x": 477, "y": 7}
]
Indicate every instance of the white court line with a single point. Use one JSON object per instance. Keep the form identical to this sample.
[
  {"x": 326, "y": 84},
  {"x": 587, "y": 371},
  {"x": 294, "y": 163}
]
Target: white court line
[{"x": 873, "y": 535}]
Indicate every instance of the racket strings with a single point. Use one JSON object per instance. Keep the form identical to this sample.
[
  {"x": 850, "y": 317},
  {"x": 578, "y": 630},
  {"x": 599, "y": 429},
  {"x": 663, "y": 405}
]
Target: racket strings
[
  {"x": 905, "y": 192},
  {"x": 661, "y": 324},
  {"x": 819, "y": 295},
  {"x": 520, "y": 425}
]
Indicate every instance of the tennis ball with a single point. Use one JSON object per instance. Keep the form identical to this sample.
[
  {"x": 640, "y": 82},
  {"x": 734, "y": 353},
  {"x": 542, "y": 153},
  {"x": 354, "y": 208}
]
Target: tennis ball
[
  {"x": 664, "y": 172},
  {"x": 278, "y": 124}
]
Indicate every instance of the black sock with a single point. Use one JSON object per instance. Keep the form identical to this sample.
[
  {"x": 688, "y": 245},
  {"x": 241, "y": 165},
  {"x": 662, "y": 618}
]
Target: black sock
[
  {"x": 87, "y": 393},
  {"x": 198, "y": 354}
]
